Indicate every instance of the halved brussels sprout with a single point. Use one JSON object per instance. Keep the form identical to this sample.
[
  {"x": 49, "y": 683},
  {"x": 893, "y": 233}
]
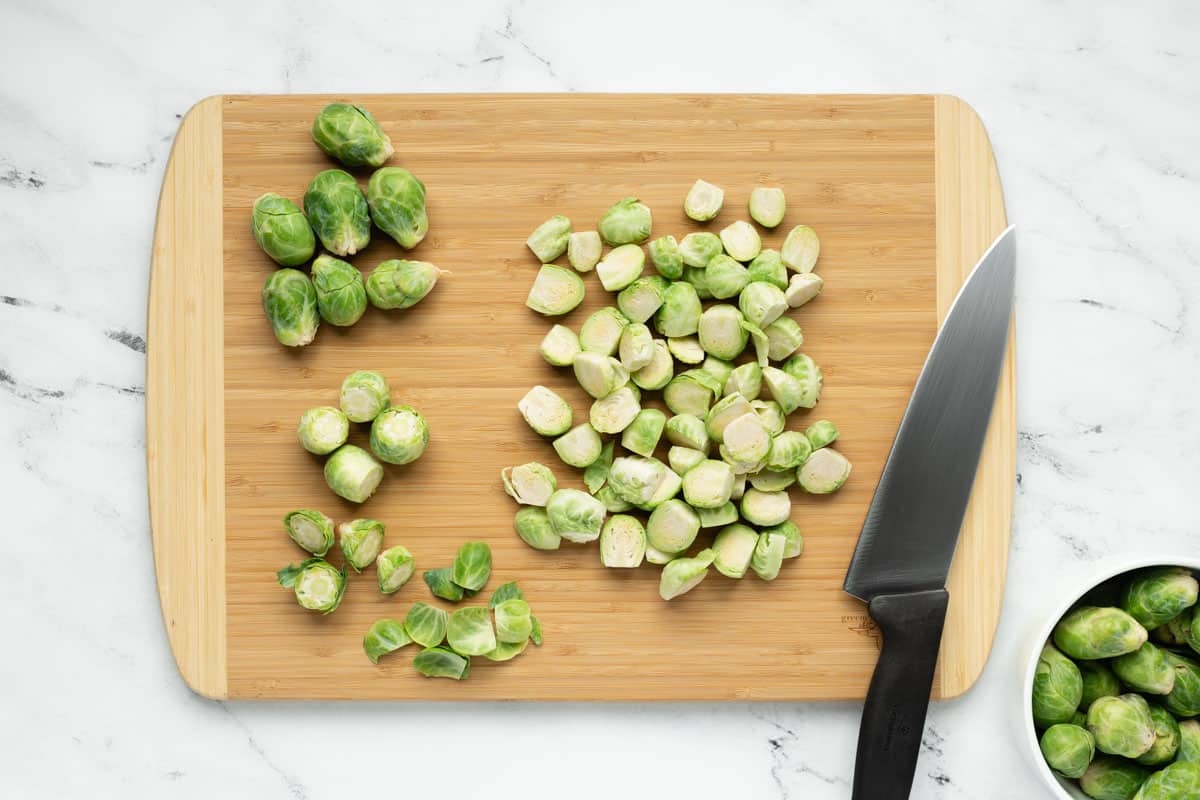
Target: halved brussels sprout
[
  {"x": 734, "y": 547},
  {"x": 688, "y": 430},
  {"x": 441, "y": 584},
  {"x": 708, "y": 485},
  {"x": 400, "y": 283},
  {"x": 360, "y": 540},
  {"x": 667, "y": 258},
  {"x": 533, "y": 526},
  {"x": 426, "y": 624},
  {"x": 317, "y": 584},
  {"x": 613, "y": 502},
  {"x": 349, "y": 134},
  {"x": 636, "y": 478},
  {"x": 684, "y": 459},
  {"x": 290, "y": 303},
  {"x": 785, "y": 389},
  {"x": 762, "y": 303},
  {"x": 719, "y": 368},
  {"x": 767, "y": 480},
  {"x": 622, "y": 542},
  {"x": 364, "y": 394},
  {"x": 821, "y": 433},
  {"x": 680, "y": 311},
  {"x": 658, "y": 557},
  {"x": 1155, "y": 596},
  {"x": 727, "y": 409},
  {"x": 667, "y": 489},
  {"x": 746, "y": 380},
  {"x": 686, "y": 349},
  {"x": 1089, "y": 633},
  {"x": 397, "y": 202},
  {"x": 703, "y": 201},
  {"x": 721, "y": 332},
  {"x": 771, "y": 415},
  {"x": 545, "y": 411},
  {"x": 808, "y": 374},
  {"x": 614, "y": 413},
  {"x": 1146, "y": 670},
  {"x": 310, "y": 529},
  {"x": 718, "y": 517},
  {"x": 555, "y": 291},
  {"x": 636, "y": 347},
  {"x": 768, "y": 554},
  {"x": 766, "y": 509},
  {"x": 601, "y": 331},
  {"x": 784, "y": 337},
  {"x": 725, "y": 277},
  {"x": 472, "y": 566},
  {"x": 1068, "y": 749},
  {"x": 1057, "y": 688},
  {"x": 802, "y": 288},
  {"x": 596, "y": 473},
  {"x": 282, "y": 230},
  {"x": 1122, "y": 725},
  {"x": 560, "y": 346},
  {"x": 739, "y": 486},
  {"x": 514, "y": 622},
  {"x": 767, "y": 205},
  {"x": 599, "y": 375},
  {"x": 823, "y": 472},
  {"x": 399, "y": 435},
  {"x": 789, "y": 450},
  {"x": 768, "y": 267},
  {"x": 579, "y": 447},
  {"x": 672, "y": 527},
  {"x": 549, "y": 240},
  {"x": 697, "y": 249},
  {"x": 691, "y": 392},
  {"x": 337, "y": 210},
  {"x": 576, "y": 516},
  {"x": 801, "y": 248},
  {"x": 682, "y": 575},
  {"x": 741, "y": 240},
  {"x": 583, "y": 250},
  {"x": 322, "y": 430},
  {"x": 698, "y": 278},
  {"x": 529, "y": 484},
  {"x": 626, "y": 222},
  {"x": 791, "y": 534},
  {"x": 393, "y": 568},
  {"x": 658, "y": 372},
  {"x": 341, "y": 295},
  {"x": 352, "y": 473},
  {"x": 642, "y": 435},
  {"x": 641, "y": 299},
  {"x": 469, "y": 631},
  {"x": 746, "y": 444},
  {"x": 441, "y": 662},
  {"x": 383, "y": 637}
]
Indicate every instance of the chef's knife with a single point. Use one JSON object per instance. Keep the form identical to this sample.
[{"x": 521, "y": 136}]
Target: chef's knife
[{"x": 904, "y": 551}]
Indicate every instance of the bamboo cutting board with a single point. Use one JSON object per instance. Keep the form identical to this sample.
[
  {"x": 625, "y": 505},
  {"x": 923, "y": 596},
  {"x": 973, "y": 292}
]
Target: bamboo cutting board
[{"x": 904, "y": 193}]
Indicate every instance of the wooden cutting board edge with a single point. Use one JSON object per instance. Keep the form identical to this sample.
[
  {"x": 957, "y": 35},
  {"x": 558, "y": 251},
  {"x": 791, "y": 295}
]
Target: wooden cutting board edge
[{"x": 185, "y": 408}]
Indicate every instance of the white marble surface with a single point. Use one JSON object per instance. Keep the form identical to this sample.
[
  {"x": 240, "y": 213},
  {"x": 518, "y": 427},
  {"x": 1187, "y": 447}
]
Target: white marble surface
[{"x": 1093, "y": 110}]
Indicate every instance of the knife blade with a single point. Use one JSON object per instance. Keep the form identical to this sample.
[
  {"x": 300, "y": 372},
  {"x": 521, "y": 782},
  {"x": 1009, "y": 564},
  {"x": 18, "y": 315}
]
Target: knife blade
[{"x": 911, "y": 529}]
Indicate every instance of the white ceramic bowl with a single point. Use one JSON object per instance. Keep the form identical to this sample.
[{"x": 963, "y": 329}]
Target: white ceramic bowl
[{"x": 1105, "y": 570}]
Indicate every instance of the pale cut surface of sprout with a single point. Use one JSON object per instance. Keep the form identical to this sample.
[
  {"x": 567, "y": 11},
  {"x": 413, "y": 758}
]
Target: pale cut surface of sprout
[
  {"x": 688, "y": 430},
  {"x": 622, "y": 266},
  {"x": 771, "y": 414},
  {"x": 641, "y": 299},
  {"x": 665, "y": 255},
  {"x": 767, "y": 205},
  {"x": 601, "y": 332},
  {"x": 790, "y": 533},
  {"x": 352, "y": 473},
  {"x": 765, "y": 508},
  {"x": 583, "y": 250},
  {"x": 683, "y": 459},
  {"x": 719, "y": 368},
  {"x": 579, "y": 447},
  {"x": 682, "y": 575},
  {"x": 545, "y": 411},
  {"x": 768, "y": 555},
  {"x": 310, "y": 529},
  {"x": 667, "y": 489},
  {"x": 658, "y": 372},
  {"x": 612, "y": 501},
  {"x": 614, "y": 413},
  {"x": 642, "y": 435},
  {"x": 697, "y": 249},
  {"x": 399, "y": 435},
  {"x": 599, "y": 375},
  {"x": 672, "y": 527},
  {"x": 721, "y": 332},
  {"x": 560, "y": 346},
  {"x": 739, "y": 487},
  {"x": 636, "y": 347},
  {"x": 785, "y": 390},
  {"x": 725, "y": 277},
  {"x": 708, "y": 485},
  {"x": 746, "y": 444},
  {"x": 802, "y": 288},
  {"x": 393, "y": 568},
  {"x": 717, "y": 517},
  {"x": 532, "y": 524},
  {"x": 322, "y": 429},
  {"x": 549, "y": 240},
  {"x": 801, "y": 249},
  {"x": 596, "y": 474},
  {"x": 768, "y": 267},
  {"x": 622, "y": 542},
  {"x": 636, "y": 478},
  {"x": 363, "y": 395},
  {"x": 784, "y": 337},
  {"x": 741, "y": 240},
  {"x": 821, "y": 433},
  {"x": 529, "y": 484},
  {"x": 360, "y": 540},
  {"x": 726, "y": 410},
  {"x": 761, "y": 303},
  {"x": 680, "y": 311},
  {"x": 691, "y": 392},
  {"x": 658, "y": 557},
  {"x": 746, "y": 380},
  {"x": 576, "y": 516},
  {"x": 734, "y": 547},
  {"x": 789, "y": 449},
  {"x": 767, "y": 480},
  {"x": 808, "y": 374},
  {"x": 703, "y": 201},
  {"x": 686, "y": 349},
  {"x": 555, "y": 291},
  {"x": 824, "y": 472}
]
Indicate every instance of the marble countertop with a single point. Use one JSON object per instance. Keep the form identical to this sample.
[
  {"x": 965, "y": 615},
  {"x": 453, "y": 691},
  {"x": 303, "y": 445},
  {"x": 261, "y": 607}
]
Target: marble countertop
[{"x": 1093, "y": 110}]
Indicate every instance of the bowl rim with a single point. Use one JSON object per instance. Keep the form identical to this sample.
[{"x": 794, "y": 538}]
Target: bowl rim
[{"x": 1105, "y": 570}]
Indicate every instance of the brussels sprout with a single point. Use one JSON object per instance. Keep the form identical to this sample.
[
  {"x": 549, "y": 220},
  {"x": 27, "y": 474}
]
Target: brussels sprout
[
  {"x": 762, "y": 345},
  {"x": 513, "y": 621},
  {"x": 397, "y": 202},
  {"x": 643, "y": 433},
  {"x": 599, "y": 375},
  {"x": 682, "y": 575},
  {"x": 768, "y": 555},
  {"x": 680, "y": 311},
  {"x": 767, "y": 267},
  {"x": 703, "y": 201},
  {"x": 317, "y": 584},
  {"x": 341, "y": 296},
  {"x": 718, "y": 517},
  {"x": 622, "y": 542},
  {"x": 505, "y": 591},
  {"x": 708, "y": 485},
  {"x": 761, "y": 303},
  {"x": 1189, "y": 741},
  {"x": 1180, "y": 781},
  {"x": 426, "y": 624},
  {"x": 726, "y": 410},
  {"x": 613, "y": 502},
  {"x": 768, "y": 480},
  {"x": 821, "y": 433},
  {"x": 688, "y": 430},
  {"x": 770, "y": 413},
  {"x": 641, "y": 299},
  {"x": 310, "y": 529},
  {"x": 533, "y": 526},
  {"x": 1112, "y": 779},
  {"x": 806, "y": 372},
  {"x": 352, "y": 474},
  {"x": 596, "y": 473},
  {"x": 635, "y": 478},
  {"x": 765, "y": 509},
  {"x": 1057, "y": 688},
  {"x": 1156, "y": 596},
  {"x": 791, "y": 534},
  {"x": 668, "y": 488},
  {"x": 399, "y": 283},
  {"x": 281, "y": 230},
  {"x": 560, "y": 346},
  {"x": 583, "y": 250},
  {"x": 1098, "y": 681},
  {"x": 718, "y": 368},
  {"x": 1184, "y": 698},
  {"x": 399, "y": 435},
  {"x": 784, "y": 337},
  {"x": 1146, "y": 670},
  {"x": 721, "y": 332},
  {"x": 789, "y": 450},
  {"x": 1080, "y": 719},
  {"x": 767, "y": 205},
  {"x": 615, "y": 413},
  {"x": 725, "y": 277},
  {"x": 601, "y": 332},
  {"x": 1122, "y": 725},
  {"x": 741, "y": 241},
  {"x": 802, "y": 288},
  {"x": 506, "y": 651},
  {"x": 529, "y": 484},
  {"x": 383, "y": 637},
  {"x": 361, "y": 540},
  {"x": 801, "y": 248},
  {"x": 626, "y": 222},
  {"x": 746, "y": 380},
  {"x": 1166, "y": 738},
  {"x": 636, "y": 347},
  {"x": 580, "y": 446},
  {"x": 441, "y": 584},
  {"x": 684, "y": 459},
  {"x": 322, "y": 430},
  {"x": 1175, "y": 631},
  {"x": 555, "y": 291},
  {"x": 549, "y": 240},
  {"x": 658, "y": 557},
  {"x": 747, "y": 444},
  {"x": 349, "y": 134},
  {"x": 824, "y": 472},
  {"x": 672, "y": 527},
  {"x": 733, "y": 547},
  {"x": 691, "y": 392},
  {"x": 393, "y": 568},
  {"x": 472, "y": 566},
  {"x": 1090, "y": 633},
  {"x": 337, "y": 210},
  {"x": 290, "y": 303},
  {"x": 364, "y": 394},
  {"x": 698, "y": 278},
  {"x": 697, "y": 249},
  {"x": 545, "y": 411},
  {"x": 1068, "y": 749},
  {"x": 576, "y": 516},
  {"x": 469, "y": 631},
  {"x": 440, "y": 662},
  {"x": 658, "y": 372},
  {"x": 785, "y": 390},
  {"x": 686, "y": 349},
  {"x": 667, "y": 258}
]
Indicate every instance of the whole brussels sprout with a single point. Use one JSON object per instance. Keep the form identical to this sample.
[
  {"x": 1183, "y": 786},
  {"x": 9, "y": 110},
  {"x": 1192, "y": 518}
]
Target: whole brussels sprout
[
  {"x": 626, "y": 222},
  {"x": 1098, "y": 681},
  {"x": 349, "y": 134},
  {"x": 1184, "y": 698},
  {"x": 337, "y": 211},
  {"x": 341, "y": 296},
  {"x": 1174, "y": 632},
  {"x": 399, "y": 283},
  {"x": 1189, "y": 741},
  {"x": 1122, "y": 725},
  {"x": 1079, "y": 719},
  {"x": 282, "y": 230},
  {"x": 397, "y": 202},
  {"x": 1166, "y": 738},
  {"x": 290, "y": 303},
  {"x": 1158, "y": 595},
  {"x": 1145, "y": 669},
  {"x": 1057, "y": 688},
  {"x": 1113, "y": 779},
  {"x": 1068, "y": 749},
  {"x": 399, "y": 435},
  {"x": 1179, "y": 781},
  {"x": 1089, "y": 633}
]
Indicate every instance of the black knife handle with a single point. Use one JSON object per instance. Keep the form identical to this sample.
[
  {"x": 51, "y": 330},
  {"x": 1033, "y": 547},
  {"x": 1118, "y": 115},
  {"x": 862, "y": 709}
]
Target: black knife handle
[{"x": 893, "y": 720}]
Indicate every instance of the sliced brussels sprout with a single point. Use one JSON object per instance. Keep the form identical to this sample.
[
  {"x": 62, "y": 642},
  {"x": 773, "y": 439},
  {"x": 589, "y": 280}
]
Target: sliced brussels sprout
[
  {"x": 801, "y": 248},
  {"x": 636, "y": 347},
  {"x": 667, "y": 489},
  {"x": 615, "y": 413},
  {"x": 469, "y": 631},
  {"x": 399, "y": 435},
  {"x": 529, "y": 484},
  {"x": 680, "y": 311},
  {"x": 596, "y": 473},
  {"x": 683, "y": 459},
  {"x": 1090, "y": 633},
  {"x": 698, "y": 278},
  {"x": 579, "y": 447},
  {"x": 1180, "y": 781},
  {"x": 282, "y": 230},
  {"x": 667, "y": 258},
  {"x": 766, "y": 509},
  {"x": 1068, "y": 749},
  {"x": 708, "y": 485},
  {"x": 545, "y": 411},
  {"x": 397, "y": 202},
  {"x": 599, "y": 375},
  {"x": 322, "y": 430},
  {"x": 349, "y": 134},
  {"x": 472, "y": 566},
  {"x": 533, "y": 526},
  {"x": 583, "y": 250},
  {"x": 1109, "y": 778},
  {"x": 383, "y": 637},
  {"x": 364, "y": 394},
  {"x": 767, "y": 205},
  {"x": 791, "y": 534},
  {"x": 687, "y": 349},
  {"x": 317, "y": 584},
  {"x": 691, "y": 392},
  {"x": 337, "y": 211},
  {"x": 762, "y": 303},
  {"x": 341, "y": 295},
  {"x": 803, "y": 287},
  {"x": 1146, "y": 670},
  {"x": 441, "y": 662},
  {"x": 360, "y": 540},
  {"x": 514, "y": 622},
  {"x": 821, "y": 433},
  {"x": 786, "y": 390},
  {"x": 1122, "y": 725},
  {"x": 1057, "y": 688},
  {"x": 642, "y": 435},
  {"x": 1155, "y": 596},
  {"x": 741, "y": 241},
  {"x": 636, "y": 478},
  {"x": 681, "y": 575},
  {"x": 555, "y": 291},
  {"x": 641, "y": 299},
  {"x": 658, "y": 557},
  {"x": 613, "y": 502},
  {"x": 400, "y": 283},
  {"x": 733, "y": 547},
  {"x": 601, "y": 332},
  {"x": 672, "y": 527},
  {"x": 789, "y": 450},
  {"x": 1184, "y": 698},
  {"x": 784, "y": 337},
  {"x": 747, "y": 444},
  {"x": 576, "y": 516},
  {"x": 622, "y": 542},
  {"x": 688, "y": 430},
  {"x": 808, "y": 374},
  {"x": 767, "y": 480},
  {"x": 560, "y": 346},
  {"x": 393, "y": 568},
  {"x": 310, "y": 529},
  {"x": 768, "y": 267},
  {"x": 426, "y": 624},
  {"x": 727, "y": 409},
  {"x": 721, "y": 332},
  {"x": 697, "y": 249},
  {"x": 718, "y": 517},
  {"x": 725, "y": 277},
  {"x": 549, "y": 240},
  {"x": 290, "y": 303},
  {"x": 771, "y": 415},
  {"x": 352, "y": 473},
  {"x": 703, "y": 201},
  {"x": 823, "y": 472},
  {"x": 626, "y": 222},
  {"x": 658, "y": 372},
  {"x": 441, "y": 584},
  {"x": 768, "y": 554}
]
